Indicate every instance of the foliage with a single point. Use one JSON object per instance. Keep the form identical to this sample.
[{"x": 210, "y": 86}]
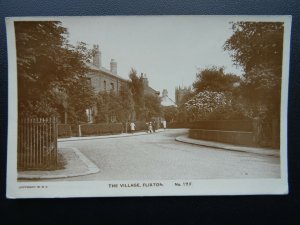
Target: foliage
[
  {"x": 255, "y": 43},
  {"x": 127, "y": 104},
  {"x": 51, "y": 72},
  {"x": 185, "y": 97},
  {"x": 258, "y": 47},
  {"x": 137, "y": 89},
  {"x": 170, "y": 113},
  {"x": 213, "y": 97},
  {"x": 152, "y": 106},
  {"x": 64, "y": 130},
  {"x": 212, "y": 105},
  {"x": 108, "y": 104},
  {"x": 101, "y": 128},
  {"x": 214, "y": 79}
]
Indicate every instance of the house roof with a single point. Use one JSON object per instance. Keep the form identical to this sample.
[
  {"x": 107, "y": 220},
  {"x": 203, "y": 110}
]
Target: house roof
[
  {"x": 166, "y": 101},
  {"x": 104, "y": 70},
  {"x": 150, "y": 89}
]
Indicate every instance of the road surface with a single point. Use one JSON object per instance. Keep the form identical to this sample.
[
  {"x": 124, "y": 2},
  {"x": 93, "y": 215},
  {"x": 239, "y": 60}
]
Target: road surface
[{"x": 159, "y": 156}]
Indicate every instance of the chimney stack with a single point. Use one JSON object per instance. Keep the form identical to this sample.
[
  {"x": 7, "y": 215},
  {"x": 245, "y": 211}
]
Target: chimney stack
[
  {"x": 97, "y": 57},
  {"x": 145, "y": 79},
  {"x": 113, "y": 67}
]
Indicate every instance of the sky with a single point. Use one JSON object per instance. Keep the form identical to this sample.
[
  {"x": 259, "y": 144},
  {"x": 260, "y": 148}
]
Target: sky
[{"x": 169, "y": 49}]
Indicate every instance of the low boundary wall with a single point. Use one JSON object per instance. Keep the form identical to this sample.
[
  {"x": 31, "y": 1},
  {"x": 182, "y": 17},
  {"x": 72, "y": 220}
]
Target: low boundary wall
[{"x": 244, "y": 138}]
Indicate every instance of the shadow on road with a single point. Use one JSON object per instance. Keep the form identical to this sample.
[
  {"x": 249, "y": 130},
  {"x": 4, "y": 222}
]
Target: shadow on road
[{"x": 176, "y": 132}]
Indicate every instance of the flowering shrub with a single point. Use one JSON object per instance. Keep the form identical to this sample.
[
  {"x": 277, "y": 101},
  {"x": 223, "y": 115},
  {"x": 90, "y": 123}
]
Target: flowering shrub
[{"x": 209, "y": 104}]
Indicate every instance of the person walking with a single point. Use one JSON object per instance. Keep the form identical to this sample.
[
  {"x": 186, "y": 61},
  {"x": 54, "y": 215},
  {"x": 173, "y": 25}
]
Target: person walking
[
  {"x": 150, "y": 128},
  {"x": 132, "y": 127}
]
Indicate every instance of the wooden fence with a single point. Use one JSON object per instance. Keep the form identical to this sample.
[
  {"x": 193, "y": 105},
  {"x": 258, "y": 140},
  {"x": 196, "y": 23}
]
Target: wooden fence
[{"x": 37, "y": 143}]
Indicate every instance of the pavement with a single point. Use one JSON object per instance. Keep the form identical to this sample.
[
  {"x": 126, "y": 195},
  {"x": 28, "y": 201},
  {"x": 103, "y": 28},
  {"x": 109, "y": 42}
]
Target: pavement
[
  {"x": 106, "y": 136},
  {"x": 229, "y": 147},
  {"x": 77, "y": 164}
]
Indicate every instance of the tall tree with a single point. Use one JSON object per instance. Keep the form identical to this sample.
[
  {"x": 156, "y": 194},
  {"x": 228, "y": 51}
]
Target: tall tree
[
  {"x": 51, "y": 72},
  {"x": 258, "y": 48},
  {"x": 255, "y": 43},
  {"x": 170, "y": 113},
  {"x": 152, "y": 107},
  {"x": 137, "y": 89},
  {"x": 109, "y": 105},
  {"x": 127, "y": 103}
]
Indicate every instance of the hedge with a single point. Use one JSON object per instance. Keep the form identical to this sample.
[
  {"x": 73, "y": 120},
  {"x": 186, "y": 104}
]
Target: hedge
[
  {"x": 226, "y": 125},
  {"x": 101, "y": 128},
  {"x": 64, "y": 130},
  {"x": 75, "y": 130},
  {"x": 178, "y": 125}
]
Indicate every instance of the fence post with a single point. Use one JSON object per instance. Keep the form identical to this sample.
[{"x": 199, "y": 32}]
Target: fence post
[
  {"x": 79, "y": 130},
  {"x": 55, "y": 139}
]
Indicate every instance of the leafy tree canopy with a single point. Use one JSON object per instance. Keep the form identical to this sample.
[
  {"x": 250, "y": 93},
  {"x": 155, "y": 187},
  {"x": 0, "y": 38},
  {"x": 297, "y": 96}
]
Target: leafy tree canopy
[
  {"x": 255, "y": 43},
  {"x": 170, "y": 113},
  {"x": 258, "y": 47},
  {"x": 152, "y": 106},
  {"x": 214, "y": 79},
  {"x": 137, "y": 88},
  {"x": 50, "y": 71}
]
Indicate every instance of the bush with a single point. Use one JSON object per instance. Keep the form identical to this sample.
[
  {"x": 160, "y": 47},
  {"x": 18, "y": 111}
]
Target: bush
[
  {"x": 179, "y": 125},
  {"x": 101, "y": 129},
  {"x": 140, "y": 126},
  {"x": 64, "y": 130},
  {"x": 75, "y": 130}
]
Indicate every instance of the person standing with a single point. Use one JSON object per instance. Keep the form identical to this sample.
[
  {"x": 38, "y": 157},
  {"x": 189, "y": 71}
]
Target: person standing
[
  {"x": 164, "y": 124},
  {"x": 132, "y": 127}
]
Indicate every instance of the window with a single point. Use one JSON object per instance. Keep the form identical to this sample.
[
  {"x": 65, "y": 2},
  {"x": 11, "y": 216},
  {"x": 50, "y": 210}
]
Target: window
[
  {"x": 112, "y": 86},
  {"x": 104, "y": 85},
  {"x": 113, "y": 118},
  {"x": 89, "y": 80}
]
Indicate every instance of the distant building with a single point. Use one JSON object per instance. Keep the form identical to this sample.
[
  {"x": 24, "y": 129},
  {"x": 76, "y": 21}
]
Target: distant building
[
  {"x": 180, "y": 93},
  {"x": 166, "y": 100}
]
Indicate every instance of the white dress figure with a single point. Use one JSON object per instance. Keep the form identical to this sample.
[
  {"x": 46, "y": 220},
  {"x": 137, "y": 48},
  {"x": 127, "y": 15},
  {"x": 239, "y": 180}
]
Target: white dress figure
[
  {"x": 132, "y": 127},
  {"x": 164, "y": 124}
]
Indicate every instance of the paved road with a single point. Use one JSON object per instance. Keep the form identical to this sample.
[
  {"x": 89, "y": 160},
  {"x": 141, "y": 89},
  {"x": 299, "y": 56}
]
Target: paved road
[{"x": 159, "y": 156}]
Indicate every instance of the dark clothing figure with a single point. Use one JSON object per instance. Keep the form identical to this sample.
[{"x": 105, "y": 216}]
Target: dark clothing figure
[{"x": 154, "y": 126}]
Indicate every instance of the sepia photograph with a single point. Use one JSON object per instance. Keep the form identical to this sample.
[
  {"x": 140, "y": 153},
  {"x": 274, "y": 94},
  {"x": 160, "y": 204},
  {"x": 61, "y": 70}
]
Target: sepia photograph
[{"x": 147, "y": 105}]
